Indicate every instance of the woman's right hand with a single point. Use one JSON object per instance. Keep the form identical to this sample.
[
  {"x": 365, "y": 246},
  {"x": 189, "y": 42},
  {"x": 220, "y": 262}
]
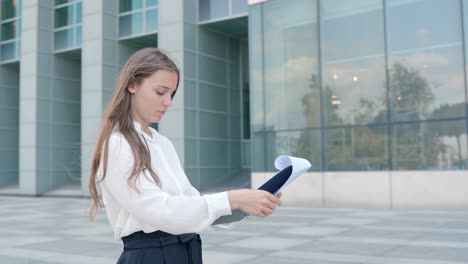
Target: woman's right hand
[{"x": 253, "y": 202}]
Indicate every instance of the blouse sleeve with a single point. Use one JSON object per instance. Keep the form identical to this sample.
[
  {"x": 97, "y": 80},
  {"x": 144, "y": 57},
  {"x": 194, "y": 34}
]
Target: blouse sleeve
[{"x": 152, "y": 206}]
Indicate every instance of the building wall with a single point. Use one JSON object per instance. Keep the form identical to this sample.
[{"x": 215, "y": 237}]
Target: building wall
[
  {"x": 65, "y": 127},
  {"x": 9, "y": 116},
  {"x": 50, "y": 106}
]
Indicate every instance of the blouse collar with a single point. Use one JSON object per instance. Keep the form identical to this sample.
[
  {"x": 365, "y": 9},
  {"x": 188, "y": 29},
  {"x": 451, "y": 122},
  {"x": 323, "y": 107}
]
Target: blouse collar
[{"x": 139, "y": 130}]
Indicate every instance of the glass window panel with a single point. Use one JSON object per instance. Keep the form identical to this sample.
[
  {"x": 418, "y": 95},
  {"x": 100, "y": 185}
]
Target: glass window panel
[
  {"x": 245, "y": 90},
  {"x": 245, "y": 113},
  {"x": 131, "y": 24},
  {"x": 59, "y": 2},
  {"x": 437, "y": 23},
  {"x": 129, "y": 5},
  {"x": 246, "y": 154},
  {"x": 63, "y": 39},
  {"x": 304, "y": 144},
  {"x": 213, "y": 126},
  {"x": 353, "y": 70},
  {"x": 212, "y": 97},
  {"x": 152, "y": 20},
  {"x": 431, "y": 90},
  {"x": 64, "y": 16},
  {"x": 18, "y": 28},
  {"x": 356, "y": 149},
  {"x": 78, "y": 36},
  {"x": 150, "y": 3},
  {"x": 425, "y": 59},
  {"x": 292, "y": 94},
  {"x": 8, "y": 51},
  {"x": 8, "y": 30},
  {"x": 9, "y": 9},
  {"x": 211, "y": 9},
  {"x": 429, "y": 146},
  {"x": 277, "y": 143},
  {"x": 79, "y": 11},
  {"x": 214, "y": 70},
  {"x": 239, "y": 7},
  {"x": 258, "y": 152},
  {"x": 256, "y": 68}
]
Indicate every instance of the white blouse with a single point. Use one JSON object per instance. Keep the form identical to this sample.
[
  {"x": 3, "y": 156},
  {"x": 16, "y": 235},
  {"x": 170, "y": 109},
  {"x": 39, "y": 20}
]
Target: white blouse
[{"x": 175, "y": 208}]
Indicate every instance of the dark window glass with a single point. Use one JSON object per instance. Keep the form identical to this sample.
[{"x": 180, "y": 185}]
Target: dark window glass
[
  {"x": 64, "y": 16},
  {"x": 8, "y": 31},
  {"x": 129, "y": 5},
  {"x": 9, "y": 9},
  {"x": 59, "y": 2}
]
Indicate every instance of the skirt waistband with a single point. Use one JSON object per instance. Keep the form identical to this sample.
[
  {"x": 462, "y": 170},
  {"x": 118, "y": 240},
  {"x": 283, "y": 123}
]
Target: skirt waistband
[{"x": 157, "y": 239}]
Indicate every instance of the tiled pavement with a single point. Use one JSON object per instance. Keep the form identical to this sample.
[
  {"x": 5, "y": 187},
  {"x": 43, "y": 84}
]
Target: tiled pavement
[{"x": 56, "y": 230}]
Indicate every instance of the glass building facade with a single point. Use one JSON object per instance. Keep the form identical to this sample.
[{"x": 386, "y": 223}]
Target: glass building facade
[{"x": 360, "y": 85}]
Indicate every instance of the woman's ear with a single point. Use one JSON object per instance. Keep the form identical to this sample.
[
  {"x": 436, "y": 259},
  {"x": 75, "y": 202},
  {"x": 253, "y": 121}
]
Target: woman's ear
[{"x": 131, "y": 87}]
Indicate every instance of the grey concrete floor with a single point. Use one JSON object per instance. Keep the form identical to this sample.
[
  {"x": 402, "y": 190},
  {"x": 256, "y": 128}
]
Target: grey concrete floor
[{"x": 57, "y": 230}]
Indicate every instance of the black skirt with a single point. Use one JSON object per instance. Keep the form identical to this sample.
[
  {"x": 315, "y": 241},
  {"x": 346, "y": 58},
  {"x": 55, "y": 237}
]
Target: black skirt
[{"x": 160, "y": 247}]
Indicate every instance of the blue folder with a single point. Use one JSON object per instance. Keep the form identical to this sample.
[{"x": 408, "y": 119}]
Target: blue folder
[{"x": 272, "y": 186}]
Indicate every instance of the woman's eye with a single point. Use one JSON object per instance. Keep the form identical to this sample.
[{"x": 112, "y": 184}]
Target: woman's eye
[{"x": 160, "y": 93}]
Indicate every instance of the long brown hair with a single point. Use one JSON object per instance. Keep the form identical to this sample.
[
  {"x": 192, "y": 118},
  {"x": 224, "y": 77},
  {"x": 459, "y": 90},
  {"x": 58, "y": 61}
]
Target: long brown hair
[{"x": 142, "y": 64}]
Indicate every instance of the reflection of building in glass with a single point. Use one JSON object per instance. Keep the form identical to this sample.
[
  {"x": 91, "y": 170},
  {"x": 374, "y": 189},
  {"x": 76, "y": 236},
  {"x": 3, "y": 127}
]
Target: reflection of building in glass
[{"x": 372, "y": 92}]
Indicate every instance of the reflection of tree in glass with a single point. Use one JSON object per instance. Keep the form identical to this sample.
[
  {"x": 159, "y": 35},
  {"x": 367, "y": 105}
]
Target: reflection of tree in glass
[
  {"x": 415, "y": 146},
  {"x": 455, "y": 129},
  {"x": 410, "y": 94},
  {"x": 366, "y": 111},
  {"x": 308, "y": 145},
  {"x": 420, "y": 146},
  {"x": 410, "y": 97}
]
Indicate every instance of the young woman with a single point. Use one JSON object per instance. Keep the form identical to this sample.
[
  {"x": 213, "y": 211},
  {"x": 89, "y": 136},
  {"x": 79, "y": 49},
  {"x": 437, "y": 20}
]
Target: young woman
[{"x": 149, "y": 201}]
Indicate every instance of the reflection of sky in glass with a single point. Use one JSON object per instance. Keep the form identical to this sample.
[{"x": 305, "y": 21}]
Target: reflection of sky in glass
[
  {"x": 418, "y": 24},
  {"x": 352, "y": 82},
  {"x": 353, "y": 60},
  {"x": 256, "y": 68},
  {"x": 353, "y": 32},
  {"x": 290, "y": 60},
  {"x": 442, "y": 68},
  {"x": 431, "y": 44}
]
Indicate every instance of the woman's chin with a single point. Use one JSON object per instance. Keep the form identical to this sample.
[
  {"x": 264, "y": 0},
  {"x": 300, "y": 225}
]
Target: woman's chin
[{"x": 156, "y": 119}]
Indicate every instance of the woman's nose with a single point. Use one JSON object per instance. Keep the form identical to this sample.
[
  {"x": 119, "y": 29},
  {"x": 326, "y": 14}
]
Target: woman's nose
[{"x": 168, "y": 102}]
